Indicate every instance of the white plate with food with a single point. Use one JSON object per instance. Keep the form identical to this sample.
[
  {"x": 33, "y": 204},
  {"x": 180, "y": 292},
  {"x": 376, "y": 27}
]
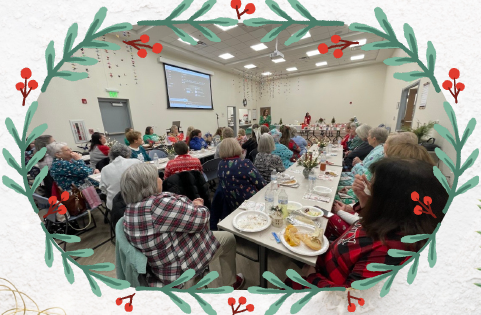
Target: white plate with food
[
  {"x": 311, "y": 212},
  {"x": 251, "y": 221},
  {"x": 331, "y": 173},
  {"x": 323, "y": 191},
  {"x": 290, "y": 182},
  {"x": 305, "y": 243}
]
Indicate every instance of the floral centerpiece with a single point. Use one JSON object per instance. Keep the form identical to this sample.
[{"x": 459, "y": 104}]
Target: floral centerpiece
[
  {"x": 170, "y": 152},
  {"x": 111, "y": 142},
  {"x": 308, "y": 163},
  {"x": 322, "y": 144},
  {"x": 333, "y": 120},
  {"x": 321, "y": 120}
]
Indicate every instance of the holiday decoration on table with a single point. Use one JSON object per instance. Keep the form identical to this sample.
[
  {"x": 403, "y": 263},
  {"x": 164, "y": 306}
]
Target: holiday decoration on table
[
  {"x": 458, "y": 87},
  {"x": 26, "y": 73}
]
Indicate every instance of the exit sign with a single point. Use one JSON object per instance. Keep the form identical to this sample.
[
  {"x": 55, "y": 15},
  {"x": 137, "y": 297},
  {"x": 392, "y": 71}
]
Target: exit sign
[{"x": 113, "y": 94}]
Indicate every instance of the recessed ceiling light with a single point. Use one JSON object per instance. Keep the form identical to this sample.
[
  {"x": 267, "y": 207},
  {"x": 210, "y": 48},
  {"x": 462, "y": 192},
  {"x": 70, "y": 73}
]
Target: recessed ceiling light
[
  {"x": 226, "y": 56},
  {"x": 187, "y": 42},
  {"x": 249, "y": 66},
  {"x": 324, "y": 63},
  {"x": 308, "y": 34},
  {"x": 259, "y": 47},
  {"x": 266, "y": 73},
  {"x": 291, "y": 69},
  {"x": 313, "y": 53},
  {"x": 278, "y": 60},
  {"x": 357, "y": 57},
  {"x": 225, "y": 28},
  {"x": 361, "y": 42}
]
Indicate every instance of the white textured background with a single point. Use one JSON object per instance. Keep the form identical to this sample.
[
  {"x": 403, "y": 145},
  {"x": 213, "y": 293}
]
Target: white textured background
[{"x": 452, "y": 26}]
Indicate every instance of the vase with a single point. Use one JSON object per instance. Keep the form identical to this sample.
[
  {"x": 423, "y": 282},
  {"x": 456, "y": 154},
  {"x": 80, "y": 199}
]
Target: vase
[
  {"x": 171, "y": 157},
  {"x": 305, "y": 172}
]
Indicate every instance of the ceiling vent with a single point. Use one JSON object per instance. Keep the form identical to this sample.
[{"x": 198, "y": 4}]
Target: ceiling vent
[
  {"x": 356, "y": 48},
  {"x": 201, "y": 43},
  {"x": 305, "y": 58}
]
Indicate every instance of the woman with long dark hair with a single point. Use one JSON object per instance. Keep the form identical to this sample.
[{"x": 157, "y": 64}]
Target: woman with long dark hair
[
  {"x": 387, "y": 216},
  {"x": 265, "y": 118},
  {"x": 98, "y": 149},
  {"x": 150, "y": 137}
]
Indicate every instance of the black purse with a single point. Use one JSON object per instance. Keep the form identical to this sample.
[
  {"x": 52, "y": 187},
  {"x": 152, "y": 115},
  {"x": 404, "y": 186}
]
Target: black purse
[{"x": 430, "y": 146}]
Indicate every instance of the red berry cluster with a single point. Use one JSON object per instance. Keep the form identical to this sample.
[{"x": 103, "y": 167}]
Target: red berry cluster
[
  {"x": 55, "y": 205},
  {"x": 26, "y": 73},
  {"x": 351, "y": 307},
  {"x": 323, "y": 48},
  {"x": 242, "y": 300},
  {"x": 418, "y": 210},
  {"x": 236, "y": 4},
  {"x": 458, "y": 87},
  {"x": 142, "y": 53},
  {"x": 128, "y": 306}
]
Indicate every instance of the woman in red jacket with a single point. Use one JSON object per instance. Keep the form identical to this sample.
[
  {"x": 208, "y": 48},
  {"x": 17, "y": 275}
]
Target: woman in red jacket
[
  {"x": 387, "y": 216},
  {"x": 350, "y": 134}
]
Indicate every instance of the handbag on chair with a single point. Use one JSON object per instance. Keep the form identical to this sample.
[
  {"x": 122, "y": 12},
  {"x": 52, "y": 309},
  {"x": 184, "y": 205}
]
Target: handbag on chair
[{"x": 76, "y": 202}]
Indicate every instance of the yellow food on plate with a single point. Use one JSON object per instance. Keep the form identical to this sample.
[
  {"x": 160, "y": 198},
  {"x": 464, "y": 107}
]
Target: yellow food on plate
[
  {"x": 291, "y": 237},
  {"x": 313, "y": 243},
  {"x": 290, "y": 182}
]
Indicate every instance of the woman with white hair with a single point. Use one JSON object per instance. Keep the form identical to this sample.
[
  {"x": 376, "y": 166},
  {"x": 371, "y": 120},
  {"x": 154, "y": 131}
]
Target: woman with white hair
[
  {"x": 281, "y": 150},
  {"x": 300, "y": 141},
  {"x": 173, "y": 231},
  {"x": 259, "y": 132},
  {"x": 68, "y": 167},
  {"x": 362, "y": 150},
  {"x": 265, "y": 161},
  {"x": 120, "y": 160},
  {"x": 174, "y": 134}
]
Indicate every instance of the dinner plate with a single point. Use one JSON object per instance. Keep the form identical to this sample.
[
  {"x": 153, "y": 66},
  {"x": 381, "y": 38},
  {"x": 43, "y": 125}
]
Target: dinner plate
[
  {"x": 291, "y": 182},
  {"x": 302, "y": 249},
  {"x": 323, "y": 191},
  {"x": 246, "y": 218},
  {"x": 312, "y": 217}
]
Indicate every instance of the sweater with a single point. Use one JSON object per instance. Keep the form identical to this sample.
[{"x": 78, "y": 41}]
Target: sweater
[
  {"x": 302, "y": 143},
  {"x": 140, "y": 150},
  {"x": 99, "y": 153},
  {"x": 152, "y": 137},
  {"x": 197, "y": 143}
]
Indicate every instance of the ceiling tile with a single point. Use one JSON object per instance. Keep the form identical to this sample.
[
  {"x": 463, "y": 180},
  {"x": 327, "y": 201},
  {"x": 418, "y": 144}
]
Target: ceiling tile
[
  {"x": 232, "y": 42},
  {"x": 209, "y": 49},
  {"x": 259, "y": 33},
  {"x": 220, "y": 45},
  {"x": 224, "y": 36},
  {"x": 319, "y": 30},
  {"x": 245, "y": 37},
  {"x": 240, "y": 46},
  {"x": 236, "y": 31}
]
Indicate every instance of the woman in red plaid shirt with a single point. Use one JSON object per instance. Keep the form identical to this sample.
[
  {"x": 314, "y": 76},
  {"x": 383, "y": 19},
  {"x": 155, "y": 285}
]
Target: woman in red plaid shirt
[
  {"x": 387, "y": 216},
  {"x": 172, "y": 231}
]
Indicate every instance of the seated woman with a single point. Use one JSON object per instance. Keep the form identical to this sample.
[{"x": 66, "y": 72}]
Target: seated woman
[
  {"x": 362, "y": 150},
  {"x": 119, "y": 161},
  {"x": 173, "y": 231},
  {"x": 300, "y": 141},
  {"x": 68, "y": 167},
  {"x": 218, "y": 135},
  {"x": 127, "y": 130},
  {"x": 241, "y": 136},
  {"x": 183, "y": 162},
  {"x": 281, "y": 150},
  {"x": 135, "y": 139},
  {"x": 98, "y": 149},
  {"x": 386, "y": 217},
  {"x": 40, "y": 143},
  {"x": 227, "y": 132},
  {"x": 238, "y": 178},
  {"x": 259, "y": 132},
  {"x": 265, "y": 161},
  {"x": 150, "y": 137},
  {"x": 189, "y": 131},
  {"x": 251, "y": 144},
  {"x": 350, "y": 134},
  {"x": 196, "y": 142},
  {"x": 289, "y": 143},
  {"x": 174, "y": 134},
  {"x": 376, "y": 138}
]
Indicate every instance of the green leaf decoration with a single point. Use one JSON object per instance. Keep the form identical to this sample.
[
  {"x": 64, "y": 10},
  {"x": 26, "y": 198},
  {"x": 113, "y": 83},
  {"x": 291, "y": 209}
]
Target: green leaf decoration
[
  {"x": 277, "y": 10},
  {"x": 398, "y": 61},
  {"x": 277, "y": 304},
  {"x": 186, "y": 276},
  {"x": 112, "y": 282},
  {"x": 101, "y": 267},
  {"x": 28, "y": 117},
  {"x": 369, "y": 282},
  {"x": 445, "y": 158},
  {"x": 220, "y": 290},
  {"x": 205, "y": 8},
  {"x": 67, "y": 269},
  {"x": 11, "y": 160},
  {"x": 400, "y": 253},
  {"x": 259, "y": 290},
  {"x": 211, "y": 276},
  {"x": 34, "y": 160},
  {"x": 468, "y": 185},
  {"x": 223, "y": 21},
  {"x": 358, "y": 27},
  {"x": 70, "y": 39},
  {"x": 478, "y": 284},
  {"x": 469, "y": 161},
  {"x": 36, "y": 132},
  {"x": 432, "y": 256},
  {"x": 387, "y": 285},
  {"x": 7, "y": 181},
  {"x": 414, "y": 238},
  {"x": 101, "y": 45},
  {"x": 451, "y": 115},
  {"x": 413, "y": 270},
  {"x": 183, "y": 35},
  {"x": 184, "y": 5},
  {"x": 273, "y": 33},
  {"x": 302, "y": 11},
  {"x": 379, "y": 45},
  {"x": 114, "y": 28},
  {"x": 409, "y": 76},
  {"x": 442, "y": 179},
  {"x": 66, "y": 238},
  {"x": 184, "y": 307},
  {"x": 297, "y": 36},
  {"x": 379, "y": 267},
  {"x": 257, "y": 22},
  {"x": 13, "y": 131},
  {"x": 72, "y": 76},
  {"x": 97, "y": 22},
  {"x": 431, "y": 56},
  {"x": 38, "y": 179},
  {"x": 468, "y": 131},
  {"x": 208, "y": 33},
  {"x": 93, "y": 285},
  {"x": 50, "y": 56},
  {"x": 382, "y": 19},
  {"x": 87, "y": 252},
  {"x": 272, "y": 278},
  {"x": 296, "y": 307},
  {"x": 294, "y": 276},
  {"x": 205, "y": 306},
  {"x": 84, "y": 61},
  {"x": 444, "y": 132},
  {"x": 411, "y": 39},
  {"x": 48, "y": 252}
]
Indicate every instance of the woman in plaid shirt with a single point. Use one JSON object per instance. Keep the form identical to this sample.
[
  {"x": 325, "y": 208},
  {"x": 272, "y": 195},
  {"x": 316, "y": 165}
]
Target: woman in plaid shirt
[
  {"x": 387, "y": 216},
  {"x": 172, "y": 231}
]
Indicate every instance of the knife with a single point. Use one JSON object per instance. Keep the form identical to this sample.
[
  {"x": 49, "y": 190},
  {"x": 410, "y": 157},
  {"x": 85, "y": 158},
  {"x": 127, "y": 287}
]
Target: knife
[{"x": 326, "y": 214}]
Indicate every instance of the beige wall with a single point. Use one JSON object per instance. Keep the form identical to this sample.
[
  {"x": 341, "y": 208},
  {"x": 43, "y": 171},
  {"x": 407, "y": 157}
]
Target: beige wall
[{"x": 148, "y": 100}]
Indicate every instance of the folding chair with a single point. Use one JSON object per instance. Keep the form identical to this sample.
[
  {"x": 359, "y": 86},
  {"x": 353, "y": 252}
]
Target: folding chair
[{"x": 210, "y": 171}]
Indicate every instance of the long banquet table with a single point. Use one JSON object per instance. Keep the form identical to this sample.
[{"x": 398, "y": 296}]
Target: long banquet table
[{"x": 265, "y": 239}]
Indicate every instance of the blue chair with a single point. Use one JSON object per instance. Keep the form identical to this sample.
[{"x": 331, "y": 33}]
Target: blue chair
[{"x": 160, "y": 153}]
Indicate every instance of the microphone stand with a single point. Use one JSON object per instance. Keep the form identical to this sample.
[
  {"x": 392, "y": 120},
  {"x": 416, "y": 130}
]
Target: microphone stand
[{"x": 217, "y": 120}]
